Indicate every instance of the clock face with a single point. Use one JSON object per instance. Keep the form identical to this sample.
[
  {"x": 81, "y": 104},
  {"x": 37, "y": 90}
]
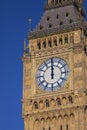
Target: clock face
[{"x": 52, "y": 74}]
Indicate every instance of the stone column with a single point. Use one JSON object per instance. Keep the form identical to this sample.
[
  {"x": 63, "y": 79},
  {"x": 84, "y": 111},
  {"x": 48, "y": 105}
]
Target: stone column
[
  {"x": 76, "y": 123},
  {"x": 26, "y": 123}
]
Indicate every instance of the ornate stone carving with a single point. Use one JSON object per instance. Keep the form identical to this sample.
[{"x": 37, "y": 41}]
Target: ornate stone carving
[{"x": 65, "y": 107}]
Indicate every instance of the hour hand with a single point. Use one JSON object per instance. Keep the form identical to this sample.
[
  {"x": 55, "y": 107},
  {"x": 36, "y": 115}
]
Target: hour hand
[{"x": 52, "y": 69}]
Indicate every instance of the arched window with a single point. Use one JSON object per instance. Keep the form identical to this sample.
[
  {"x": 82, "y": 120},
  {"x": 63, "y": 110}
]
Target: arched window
[
  {"x": 66, "y": 39},
  {"x": 60, "y": 127},
  {"x": 35, "y": 105},
  {"x": 36, "y": 123},
  {"x": 43, "y": 128},
  {"x": 44, "y": 44},
  {"x": 49, "y": 43},
  {"x": 70, "y": 99},
  {"x": 66, "y": 126},
  {"x": 60, "y": 41},
  {"x": 58, "y": 101},
  {"x": 49, "y": 128},
  {"x": 47, "y": 103},
  {"x": 39, "y": 45},
  {"x": 55, "y": 41}
]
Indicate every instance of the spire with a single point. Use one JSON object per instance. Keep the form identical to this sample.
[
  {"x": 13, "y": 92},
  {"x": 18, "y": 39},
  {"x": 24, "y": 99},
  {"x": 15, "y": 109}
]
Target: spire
[
  {"x": 59, "y": 15},
  {"x": 30, "y": 21}
]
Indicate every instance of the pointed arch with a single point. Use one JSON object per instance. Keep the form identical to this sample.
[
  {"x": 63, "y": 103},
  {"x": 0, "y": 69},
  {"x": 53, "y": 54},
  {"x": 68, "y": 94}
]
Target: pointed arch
[
  {"x": 49, "y": 42},
  {"x": 48, "y": 121},
  {"x": 42, "y": 120},
  {"x": 58, "y": 101},
  {"x": 64, "y": 101},
  {"x": 55, "y": 41},
  {"x": 36, "y": 124},
  {"x": 54, "y": 119},
  {"x": 66, "y": 118},
  {"x": 39, "y": 44},
  {"x": 60, "y": 41},
  {"x": 60, "y": 117},
  {"x": 72, "y": 121},
  {"x": 41, "y": 104},
  {"x": 72, "y": 117},
  {"x": 42, "y": 123},
  {"x": 66, "y": 40},
  {"x": 53, "y": 103},
  {"x": 70, "y": 99},
  {"x": 47, "y": 103},
  {"x": 60, "y": 122},
  {"x": 35, "y": 105},
  {"x": 44, "y": 44}
]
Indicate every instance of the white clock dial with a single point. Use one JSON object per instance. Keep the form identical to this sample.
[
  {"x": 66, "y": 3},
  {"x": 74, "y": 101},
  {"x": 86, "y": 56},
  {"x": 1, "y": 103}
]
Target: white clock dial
[
  {"x": 52, "y": 74},
  {"x": 48, "y": 77}
]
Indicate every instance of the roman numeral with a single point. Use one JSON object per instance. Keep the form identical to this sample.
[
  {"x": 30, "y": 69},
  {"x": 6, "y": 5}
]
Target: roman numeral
[
  {"x": 41, "y": 70},
  {"x": 59, "y": 85},
  {"x": 39, "y": 77},
  {"x": 45, "y": 64},
  {"x": 64, "y": 72},
  {"x": 41, "y": 82},
  {"x": 45, "y": 86},
  {"x": 63, "y": 79},
  {"x": 63, "y": 66},
  {"x": 59, "y": 61}
]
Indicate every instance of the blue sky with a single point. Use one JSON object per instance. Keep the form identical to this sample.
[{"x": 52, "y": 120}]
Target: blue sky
[{"x": 14, "y": 27}]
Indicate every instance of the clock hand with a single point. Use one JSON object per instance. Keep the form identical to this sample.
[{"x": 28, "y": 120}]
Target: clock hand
[{"x": 52, "y": 69}]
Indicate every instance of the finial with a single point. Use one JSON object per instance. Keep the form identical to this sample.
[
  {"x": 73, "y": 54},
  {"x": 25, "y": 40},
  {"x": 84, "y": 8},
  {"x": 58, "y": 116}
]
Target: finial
[{"x": 30, "y": 21}]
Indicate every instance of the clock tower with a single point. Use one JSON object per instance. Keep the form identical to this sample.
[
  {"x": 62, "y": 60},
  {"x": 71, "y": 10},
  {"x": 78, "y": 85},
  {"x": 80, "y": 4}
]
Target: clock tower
[{"x": 55, "y": 69}]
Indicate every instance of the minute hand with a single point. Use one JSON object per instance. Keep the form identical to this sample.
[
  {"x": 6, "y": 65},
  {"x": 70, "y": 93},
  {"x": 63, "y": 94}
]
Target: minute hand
[{"x": 52, "y": 69}]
